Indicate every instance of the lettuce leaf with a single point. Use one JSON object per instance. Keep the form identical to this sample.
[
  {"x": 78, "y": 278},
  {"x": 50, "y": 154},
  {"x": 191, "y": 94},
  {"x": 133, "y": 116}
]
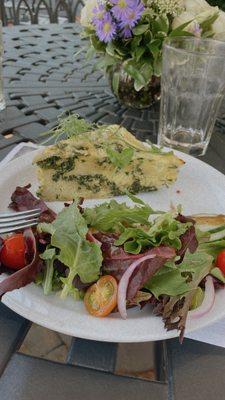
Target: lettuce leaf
[
  {"x": 217, "y": 273},
  {"x": 176, "y": 280},
  {"x": 68, "y": 220},
  {"x": 213, "y": 248},
  {"x": 165, "y": 229},
  {"x": 70, "y": 247},
  {"x": 109, "y": 217},
  {"x": 80, "y": 256}
]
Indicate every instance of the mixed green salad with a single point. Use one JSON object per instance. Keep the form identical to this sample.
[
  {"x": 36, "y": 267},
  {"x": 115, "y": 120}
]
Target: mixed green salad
[{"x": 114, "y": 256}]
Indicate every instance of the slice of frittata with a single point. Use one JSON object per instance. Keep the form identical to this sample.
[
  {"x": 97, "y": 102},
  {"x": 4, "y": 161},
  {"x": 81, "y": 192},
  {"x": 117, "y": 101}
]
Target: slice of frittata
[{"x": 103, "y": 163}]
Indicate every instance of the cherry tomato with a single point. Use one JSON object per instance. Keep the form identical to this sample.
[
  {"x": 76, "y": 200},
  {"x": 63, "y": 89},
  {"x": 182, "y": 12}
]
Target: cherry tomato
[
  {"x": 220, "y": 261},
  {"x": 13, "y": 252},
  {"x": 101, "y": 298}
]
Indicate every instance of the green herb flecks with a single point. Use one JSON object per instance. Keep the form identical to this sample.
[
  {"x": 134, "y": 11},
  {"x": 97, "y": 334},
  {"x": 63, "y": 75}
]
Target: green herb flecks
[{"x": 48, "y": 163}]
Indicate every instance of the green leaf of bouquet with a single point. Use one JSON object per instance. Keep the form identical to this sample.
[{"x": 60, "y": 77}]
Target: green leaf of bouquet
[
  {"x": 139, "y": 53},
  {"x": 131, "y": 69},
  {"x": 99, "y": 46},
  {"x": 138, "y": 85},
  {"x": 115, "y": 82},
  {"x": 160, "y": 24},
  {"x": 110, "y": 49},
  {"x": 155, "y": 47},
  {"x": 109, "y": 61},
  {"x": 135, "y": 42},
  {"x": 206, "y": 25},
  {"x": 90, "y": 53},
  {"x": 140, "y": 29},
  {"x": 180, "y": 30},
  {"x": 157, "y": 66},
  {"x": 146, "y": 71}
]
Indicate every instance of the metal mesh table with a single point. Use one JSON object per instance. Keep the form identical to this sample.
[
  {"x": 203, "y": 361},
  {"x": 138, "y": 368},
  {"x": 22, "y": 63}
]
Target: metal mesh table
[{"x": 42, "y": 79}]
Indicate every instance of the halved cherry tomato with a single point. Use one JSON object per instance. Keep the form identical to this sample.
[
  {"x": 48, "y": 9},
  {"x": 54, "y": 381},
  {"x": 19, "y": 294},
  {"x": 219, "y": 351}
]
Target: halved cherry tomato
[
  {"x": 220, "y": 261},
  {"x": 13, "y": 252},
  {"x": 101, "y": 298}
]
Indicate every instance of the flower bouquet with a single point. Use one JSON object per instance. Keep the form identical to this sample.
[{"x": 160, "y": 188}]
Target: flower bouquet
[{"x": 128, "y": 36}]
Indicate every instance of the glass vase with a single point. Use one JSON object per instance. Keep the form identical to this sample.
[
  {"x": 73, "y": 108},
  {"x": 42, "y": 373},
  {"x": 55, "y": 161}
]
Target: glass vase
[{"x": 126, "y": 93}]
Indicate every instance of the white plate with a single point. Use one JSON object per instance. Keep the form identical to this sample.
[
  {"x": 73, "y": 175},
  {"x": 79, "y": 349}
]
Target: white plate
[{"x": 199, "y": 188}]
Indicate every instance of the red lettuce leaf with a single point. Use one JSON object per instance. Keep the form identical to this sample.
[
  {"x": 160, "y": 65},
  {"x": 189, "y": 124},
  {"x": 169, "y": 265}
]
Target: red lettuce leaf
[
  {"x": 115, "y": 259},
  {"x": 188, "y": 239},
  {"x": 22, "y": 199},
  {"x": 27, "y": 274},
  {"x": 148, "y": 268}
]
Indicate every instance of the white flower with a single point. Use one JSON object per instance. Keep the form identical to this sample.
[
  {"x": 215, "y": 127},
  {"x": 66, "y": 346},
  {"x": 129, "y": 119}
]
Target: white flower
[
  {"x": 218, "y": 27},
  {"x": 87, "y": 12},
  {"x": 196, "y": 6},
  {"x": 164, "y": 7},
  {"x": 173, "y": 7}
]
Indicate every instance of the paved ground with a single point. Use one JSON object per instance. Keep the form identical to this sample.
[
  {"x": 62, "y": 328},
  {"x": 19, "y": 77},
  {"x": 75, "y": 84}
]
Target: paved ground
[{"x": 135, "y": 359}]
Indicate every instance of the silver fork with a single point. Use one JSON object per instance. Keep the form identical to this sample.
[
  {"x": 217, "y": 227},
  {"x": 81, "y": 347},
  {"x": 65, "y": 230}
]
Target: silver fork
[{"x": 11, "y": 222}]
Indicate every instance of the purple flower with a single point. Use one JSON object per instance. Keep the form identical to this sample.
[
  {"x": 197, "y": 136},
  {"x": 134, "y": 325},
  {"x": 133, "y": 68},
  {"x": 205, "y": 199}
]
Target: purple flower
[
  {"x": 106, "y": 29},
  {"x": 133, "y": 15},
  {"x": 99, "y": 12},
  {"x": 125, "y": 31},
  {"x": 121, "y": 8}
]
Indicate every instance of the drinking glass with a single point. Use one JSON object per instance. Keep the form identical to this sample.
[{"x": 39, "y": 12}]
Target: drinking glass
[
  {"x": 2, "y": 100},
  {"x": 192, "y": 88}
]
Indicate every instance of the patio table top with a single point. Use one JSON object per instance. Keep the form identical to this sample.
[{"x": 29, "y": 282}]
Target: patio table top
[{"x": 42, "y": 79}]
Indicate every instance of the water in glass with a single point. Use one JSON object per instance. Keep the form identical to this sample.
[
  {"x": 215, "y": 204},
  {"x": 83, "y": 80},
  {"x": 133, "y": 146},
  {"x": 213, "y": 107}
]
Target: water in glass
[{"x": 192, "y": 88}]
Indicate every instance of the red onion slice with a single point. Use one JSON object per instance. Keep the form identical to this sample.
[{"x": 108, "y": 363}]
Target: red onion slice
[
  {"x": 123, "y": 284},
  {"x": 92, "y": 239},
  {"x": 208, "y": 300}
]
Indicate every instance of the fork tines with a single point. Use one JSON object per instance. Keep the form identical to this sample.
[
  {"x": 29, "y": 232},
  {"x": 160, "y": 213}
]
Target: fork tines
[{"x": 10, "y": 222}]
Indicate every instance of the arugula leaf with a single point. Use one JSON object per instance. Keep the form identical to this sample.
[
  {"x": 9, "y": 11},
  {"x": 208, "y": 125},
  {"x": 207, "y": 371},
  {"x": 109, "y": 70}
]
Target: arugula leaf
[
  {"x": 218, "y": 274},
  {"x": 49, "y": 257},
  {"x": 212, "y": 248},
  {"x": 69, "y": 220},
  {"x": 110, "y": 217},
  {"x": 120, "y": 159}
]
